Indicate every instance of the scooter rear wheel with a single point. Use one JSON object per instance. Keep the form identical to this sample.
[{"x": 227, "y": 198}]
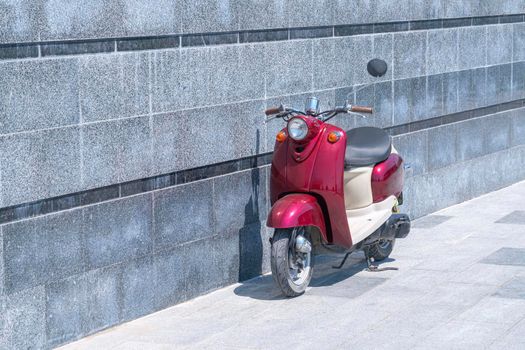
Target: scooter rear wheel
[
  {"x": 292, "y": 270},
  {"x": 381, "y": 250}
]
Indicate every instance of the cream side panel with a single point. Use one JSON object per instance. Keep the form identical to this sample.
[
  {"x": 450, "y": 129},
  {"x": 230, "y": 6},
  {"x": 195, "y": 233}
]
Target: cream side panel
[
  {"x": 363, "y": 222},
  {"x": 358, "y": 187}
]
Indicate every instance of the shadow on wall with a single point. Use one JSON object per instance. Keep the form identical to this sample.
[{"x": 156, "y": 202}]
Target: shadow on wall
[{"x": 251, "y": 249}]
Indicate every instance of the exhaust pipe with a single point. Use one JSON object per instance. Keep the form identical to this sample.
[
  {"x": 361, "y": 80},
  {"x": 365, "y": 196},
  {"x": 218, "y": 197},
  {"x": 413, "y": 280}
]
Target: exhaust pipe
[{"x": 397, "y": 226}]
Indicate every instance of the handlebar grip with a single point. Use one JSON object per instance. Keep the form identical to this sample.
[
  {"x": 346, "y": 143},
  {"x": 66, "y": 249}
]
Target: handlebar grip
[
  {"x": 362, "y": 109},
  {"x": 272, "y": 111}
]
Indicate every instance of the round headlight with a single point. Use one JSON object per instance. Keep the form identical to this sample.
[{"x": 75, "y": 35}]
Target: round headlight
[{"x": 297, "y": 129}]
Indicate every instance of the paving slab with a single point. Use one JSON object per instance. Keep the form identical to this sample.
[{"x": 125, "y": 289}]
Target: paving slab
[
  {"x": 515, "y": 288},
  {"x": 516, "y": 217},
  {"x": 460, "y": 285},
  {"x": 431, "y": 221},
  {"x": 506, "y": 256}
]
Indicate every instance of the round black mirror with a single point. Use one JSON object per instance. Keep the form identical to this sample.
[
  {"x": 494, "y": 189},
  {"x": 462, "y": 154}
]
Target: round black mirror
[{"x": 377, "y": 68}]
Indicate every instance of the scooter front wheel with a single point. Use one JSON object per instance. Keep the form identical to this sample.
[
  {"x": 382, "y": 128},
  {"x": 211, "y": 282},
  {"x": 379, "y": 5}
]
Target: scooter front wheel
[{"x": 292, "y": 262}]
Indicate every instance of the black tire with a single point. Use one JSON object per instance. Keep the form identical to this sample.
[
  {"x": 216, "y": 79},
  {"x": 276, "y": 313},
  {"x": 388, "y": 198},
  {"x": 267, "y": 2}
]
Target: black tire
[
  {"x": 381, "y": 250},
  {"x": 280, "y": 265}
]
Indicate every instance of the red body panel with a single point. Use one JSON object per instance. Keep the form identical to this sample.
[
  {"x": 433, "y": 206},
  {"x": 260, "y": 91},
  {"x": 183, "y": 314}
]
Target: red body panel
[
  {"x": 317, "y": 170},
  {"x": 295, "y": 210},
  {"x": 387, "y": 178}
]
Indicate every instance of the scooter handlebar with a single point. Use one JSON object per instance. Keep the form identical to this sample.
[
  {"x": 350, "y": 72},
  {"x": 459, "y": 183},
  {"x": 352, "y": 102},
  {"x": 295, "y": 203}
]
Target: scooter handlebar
[
  {"x": 361, "y": 109},
  {"x": 273, "y": 110}
]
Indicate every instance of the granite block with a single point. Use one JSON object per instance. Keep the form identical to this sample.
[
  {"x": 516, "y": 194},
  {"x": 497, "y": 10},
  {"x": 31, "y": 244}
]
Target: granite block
[
  {"x": 434, "y": 96},
  {"x": 77, "y": 48},
  {"x": 518, "y": 80},
  {"x": 172, "y": 225},
  {"x": 499, "y": 88},
  {"x": 499, "y": 44},
  {"x": 457, "y": 22},
  {"x": 450, "y": 93},
  {"x": 116, "y": 151},
  {"x": 79, "y": 19},
  {"x": 472, "y": 49},
  {"x": 148, "y": 43},
  {"x": 139, "y": 17},
  {"x": 442, "y": 54},
  {"x": 470, "y": 140},
  {"x": 409, "y": 100},
  {"x": 220, "y": 266},
  {"x": 203, "y": 16},
  {"x": 315, "y": 12},
  {"x": 353, "y": 29},
  {"x": 138, "y": 281},
  {"x": 518, "y": 42},
  {"x": 471, "y": 89},
  {"x": 331, "y": 64},
  {"x": 171, "y": 277},
  {"x": 18, "y": 51},
  {"x": 518, "y": 127},
  {"x": 414, "y": 149},
  {"x": 23, "y": 322},
  {"x": 378, "y": 96},
  {"x": 2, "y": 263},
  {"x": 442, "y": 146},
  {"x": 288, "y": 67},
  {"x": 100, "y": 149},
  {"x": 388, "y": 11},
  {"x": 254, "y": 251},
  {"x": 21, "y": 21},
  {"x": 410, "y": 54},
  {"x": 118, "y": 231},
  {"x": 135, "y": 158},
  {"x": 239, "y": 200},
  {"x": 196, "y": 77},
  {"x": 209, "y": 39},
  {"x": 383, "y": 48},
  {"x": 265, "y": 35},
  {"x": 354, "y": 11},
  {"x": 39, "y": 165},
  {"x": 42, "y": 250},
  {"x": 81, "y": 305},
  {"x": 38, "y": 94},
  {"x": 240, "y": 133},
  {"x": 114, "y": 86},
  {"x": 460, "y": 8},
  {"x": 311, "y": 33},
  {"x": 391, "y": 27},
  {"x": 497, "y": 132},
  {"x": 426, "y": 24},
  {"x": 264, "y": 14}
]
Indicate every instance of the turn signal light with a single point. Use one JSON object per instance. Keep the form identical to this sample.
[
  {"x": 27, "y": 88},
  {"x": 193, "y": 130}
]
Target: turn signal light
[
  {"x": 334, "y": 136},
  {"x": 281, "y": 136}
]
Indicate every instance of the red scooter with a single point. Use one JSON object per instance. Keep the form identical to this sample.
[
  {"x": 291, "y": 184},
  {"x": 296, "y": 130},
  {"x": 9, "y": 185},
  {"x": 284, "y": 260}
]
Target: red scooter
[{"x": 332, "y": 190}]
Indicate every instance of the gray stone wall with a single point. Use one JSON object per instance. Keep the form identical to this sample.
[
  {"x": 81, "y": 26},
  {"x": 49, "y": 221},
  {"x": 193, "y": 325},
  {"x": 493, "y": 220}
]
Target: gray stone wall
[{"x": 133, "y": 148}]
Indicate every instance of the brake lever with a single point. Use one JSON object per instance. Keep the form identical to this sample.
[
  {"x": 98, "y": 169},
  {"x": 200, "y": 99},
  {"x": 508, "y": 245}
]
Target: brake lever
[{"x": 358, "y": 114}]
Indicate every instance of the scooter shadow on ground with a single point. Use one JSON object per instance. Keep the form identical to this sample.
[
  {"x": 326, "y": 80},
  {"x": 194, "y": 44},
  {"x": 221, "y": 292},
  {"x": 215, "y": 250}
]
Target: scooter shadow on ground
[{"x": 264, "y": 288}]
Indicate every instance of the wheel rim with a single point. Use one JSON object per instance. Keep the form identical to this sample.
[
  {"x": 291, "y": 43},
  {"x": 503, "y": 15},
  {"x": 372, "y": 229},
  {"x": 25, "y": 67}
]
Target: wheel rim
[{"x": 299, "y": 268}]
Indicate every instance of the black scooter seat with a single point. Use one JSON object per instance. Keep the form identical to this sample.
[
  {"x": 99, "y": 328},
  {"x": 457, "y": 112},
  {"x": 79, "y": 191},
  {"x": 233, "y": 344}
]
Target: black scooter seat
[{"x": 366, "y": 146}]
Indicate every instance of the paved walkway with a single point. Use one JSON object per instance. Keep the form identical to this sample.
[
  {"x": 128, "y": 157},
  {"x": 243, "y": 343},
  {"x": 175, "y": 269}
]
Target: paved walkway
[{"x": 460, "y": 285}]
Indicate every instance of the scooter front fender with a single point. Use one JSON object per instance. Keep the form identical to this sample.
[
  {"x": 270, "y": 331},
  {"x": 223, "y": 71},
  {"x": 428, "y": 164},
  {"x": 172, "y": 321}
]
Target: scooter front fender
[{"x": 295, "y": 210}]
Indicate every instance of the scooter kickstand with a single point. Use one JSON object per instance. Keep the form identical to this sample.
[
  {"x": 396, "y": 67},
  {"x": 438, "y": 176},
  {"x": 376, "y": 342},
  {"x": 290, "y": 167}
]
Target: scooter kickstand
[
  {"x": 338, "y": 267},
  {"x": 374, "y": 268}
]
